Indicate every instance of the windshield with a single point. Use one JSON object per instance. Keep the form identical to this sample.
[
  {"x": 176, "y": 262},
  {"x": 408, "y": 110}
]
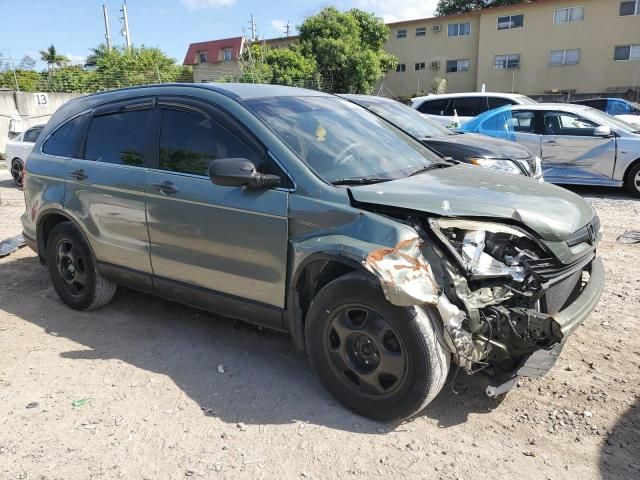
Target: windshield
[
  {"x": 404, "y": 117},
  {"x": 611, "y": 121},
  {"x": 339, "y": 140}
]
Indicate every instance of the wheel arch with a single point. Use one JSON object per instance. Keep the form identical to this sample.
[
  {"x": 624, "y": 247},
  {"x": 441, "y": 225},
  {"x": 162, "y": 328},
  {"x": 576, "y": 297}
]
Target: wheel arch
[
  {"x": 313, "y": 273},
  {"x": 46, "y": 223},
  {"x": 629, "y": 168}
]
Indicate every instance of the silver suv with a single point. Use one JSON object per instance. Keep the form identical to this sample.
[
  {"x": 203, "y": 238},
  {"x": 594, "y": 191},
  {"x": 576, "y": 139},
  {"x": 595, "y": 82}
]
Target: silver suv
[{"x": 306, "y": 213}]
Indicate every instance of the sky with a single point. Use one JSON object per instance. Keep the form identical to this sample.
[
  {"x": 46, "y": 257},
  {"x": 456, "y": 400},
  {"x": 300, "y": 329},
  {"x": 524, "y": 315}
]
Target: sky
[{"x": 75, "y": 26}]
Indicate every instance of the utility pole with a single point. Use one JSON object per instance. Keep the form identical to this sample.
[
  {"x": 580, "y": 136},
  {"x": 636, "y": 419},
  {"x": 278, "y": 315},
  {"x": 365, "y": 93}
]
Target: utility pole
[
  {"x": 107, "y": 33},
  {"x": 252, "y": 25},
  {"x": 288, "y": 28},
  {"x": 125, "y": 25},
  {"x": 15, "y": 78}
]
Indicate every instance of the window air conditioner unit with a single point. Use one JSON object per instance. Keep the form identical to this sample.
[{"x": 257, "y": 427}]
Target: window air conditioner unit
[
  {"x": 437, "y": 28},
  {"x": 435, "y": 65}
]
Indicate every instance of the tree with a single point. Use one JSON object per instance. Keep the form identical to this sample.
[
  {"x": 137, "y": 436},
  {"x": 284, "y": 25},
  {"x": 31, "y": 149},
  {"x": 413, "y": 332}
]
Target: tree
[
  {"x": 27, "y": 63},
  {"x": 28, "y": 80},
  {"x": 53, "y": 59},
  {"x": 439, "y": 85},
  {"x": 347, "y": 48},
  {"x": 283, "y": 66},
  {"x": 450, "y": 7}
]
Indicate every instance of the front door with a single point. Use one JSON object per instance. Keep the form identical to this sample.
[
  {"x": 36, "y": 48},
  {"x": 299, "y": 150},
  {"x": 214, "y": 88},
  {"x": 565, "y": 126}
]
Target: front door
[
  {"x": 572, "y": 153},
  {"x": 212, "y": 245}
]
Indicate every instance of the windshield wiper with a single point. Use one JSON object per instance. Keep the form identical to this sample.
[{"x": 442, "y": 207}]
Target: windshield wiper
[
  {"x": 360, "y": 181},
  {"x": 433, "y": 166}
]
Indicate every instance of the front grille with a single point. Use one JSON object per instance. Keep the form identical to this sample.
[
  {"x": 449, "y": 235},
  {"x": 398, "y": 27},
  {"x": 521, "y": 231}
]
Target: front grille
[
  {"x": 557, "y": 296},
  {"x": 587, "y": 233},
  {"x": 550, "y": 270}
]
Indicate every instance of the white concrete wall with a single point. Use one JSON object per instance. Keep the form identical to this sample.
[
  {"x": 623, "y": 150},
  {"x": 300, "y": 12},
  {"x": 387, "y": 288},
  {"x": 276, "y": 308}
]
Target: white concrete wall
[{"x": 32, "y": 108}]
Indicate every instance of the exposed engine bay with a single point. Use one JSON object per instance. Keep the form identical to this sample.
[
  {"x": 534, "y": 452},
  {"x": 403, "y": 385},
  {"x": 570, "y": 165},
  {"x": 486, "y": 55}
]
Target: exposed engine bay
[{"x": 497, "y": 278}]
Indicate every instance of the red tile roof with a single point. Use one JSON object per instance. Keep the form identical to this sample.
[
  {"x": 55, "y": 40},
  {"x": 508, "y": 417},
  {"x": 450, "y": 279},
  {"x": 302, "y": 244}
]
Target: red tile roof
[{"x": 213, "y": 48}]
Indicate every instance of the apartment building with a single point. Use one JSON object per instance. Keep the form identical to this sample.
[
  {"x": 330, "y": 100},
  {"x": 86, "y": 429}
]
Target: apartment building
[
  {"x": 535, "y": 48},
  {"x": 546, "y": 46}
]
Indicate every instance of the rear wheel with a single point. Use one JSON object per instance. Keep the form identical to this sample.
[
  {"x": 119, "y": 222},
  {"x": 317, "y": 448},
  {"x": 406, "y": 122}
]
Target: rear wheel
[
  {"x": 632, "y": 181},
  {"x": 17, "y": 171},
  {"x": 380, "y": 360},
  {"x": 73, "y": 270}
]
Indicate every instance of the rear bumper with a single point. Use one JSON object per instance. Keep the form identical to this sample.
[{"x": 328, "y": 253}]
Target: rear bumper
[{"x": 541, "y": 361}]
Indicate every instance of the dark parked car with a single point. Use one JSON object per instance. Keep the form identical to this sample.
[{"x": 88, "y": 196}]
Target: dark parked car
[
  {"x": 308, "y": 214},
  {"x": 501, "y": 155}
]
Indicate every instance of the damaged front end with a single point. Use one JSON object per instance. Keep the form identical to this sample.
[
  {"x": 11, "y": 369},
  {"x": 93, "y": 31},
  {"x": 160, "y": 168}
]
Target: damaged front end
[{"x": 507, "y": 304}]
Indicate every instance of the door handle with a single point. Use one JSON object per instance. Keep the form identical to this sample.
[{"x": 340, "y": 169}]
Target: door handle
[
  {"x": 550, "y": 142},
  {"x": 79, "y": 174},
  {"x": 167, "y": 188}
]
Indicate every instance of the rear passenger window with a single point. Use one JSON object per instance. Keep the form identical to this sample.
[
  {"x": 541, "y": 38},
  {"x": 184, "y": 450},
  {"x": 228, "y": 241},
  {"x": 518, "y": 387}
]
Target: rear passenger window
[
  {"x": 495, "y": 102},
  {"x": 523, "y": 122},
  {"x": 189, "y": 141},
  {"x": 64, "y": 142},
  {"x": 118, "y": 138},
  {"x": 470, "y": 106},
  {"x": 32, "y": 135},
  {"x": 434, "y": 107}
]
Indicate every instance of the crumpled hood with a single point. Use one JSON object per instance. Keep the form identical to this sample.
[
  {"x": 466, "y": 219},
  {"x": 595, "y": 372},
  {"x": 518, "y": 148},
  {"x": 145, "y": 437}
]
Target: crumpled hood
[
  {"x": 466, "y": 191},
  {"x": 473, "y": 144}
]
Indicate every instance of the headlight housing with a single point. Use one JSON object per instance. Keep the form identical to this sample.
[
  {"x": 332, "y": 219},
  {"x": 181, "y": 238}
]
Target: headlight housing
[
  {"x": 500, "y": 164},
  {"x": 487, "y": 250}
]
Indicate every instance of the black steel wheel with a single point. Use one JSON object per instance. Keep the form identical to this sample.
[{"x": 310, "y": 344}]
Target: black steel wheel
[
  {"x": 17, "y": 171},
  {"x": 632, "y": 180},
  {"x": 73, "y": 270},
  {"x": 366, "y": 351},
  {"x": 380, "y": 360}
]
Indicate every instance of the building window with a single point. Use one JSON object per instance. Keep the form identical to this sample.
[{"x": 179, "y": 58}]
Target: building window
[
  {"x": 401, "y": 67},
  {"x": 567, "y": 15},
  {"x": 421, "y": 31},
  {"x": 401, "y": 34},
  {"x": 564, "y": 57},
  {"x": 457, "y": 66},
  {"x": 627, "y": 52},
  {"x": 459, "y": 29},
  {"x": 631, "y": 7},
  {"x": 507, "y": 62},
  {"x": 419, "y": 66},
  {"x": 227, "y": 54},
  {"x": 202, "y": 57},
  {"x": 510, "y": 21}
]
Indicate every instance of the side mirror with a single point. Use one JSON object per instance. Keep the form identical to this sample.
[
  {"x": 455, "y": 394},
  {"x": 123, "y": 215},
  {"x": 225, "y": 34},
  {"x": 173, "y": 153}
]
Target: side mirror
[
  {"x": 602, "y": 131},
  {"x": 240, "y": 172}
]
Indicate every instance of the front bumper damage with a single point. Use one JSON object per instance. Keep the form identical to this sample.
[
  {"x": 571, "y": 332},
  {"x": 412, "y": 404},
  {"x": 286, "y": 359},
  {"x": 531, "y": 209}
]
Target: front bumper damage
[{"x": 484, "y": 329}]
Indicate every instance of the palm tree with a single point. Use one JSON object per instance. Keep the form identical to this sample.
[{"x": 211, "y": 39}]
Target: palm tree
[{"x": 51, "y": 56}]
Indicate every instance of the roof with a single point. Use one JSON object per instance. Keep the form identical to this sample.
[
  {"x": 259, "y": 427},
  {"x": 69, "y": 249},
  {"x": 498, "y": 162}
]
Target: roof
[
  {"x": 552, "y": 106},
  {"x": 213, "y": 48},
  {"x": 469, "y": 94},
  {"x": 258, "y": 90}
]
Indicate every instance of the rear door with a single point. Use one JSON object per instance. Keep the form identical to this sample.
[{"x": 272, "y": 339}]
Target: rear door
[
  {"x": 526, "y": 131},
  {"x": 439, "y": 109},
  {"x": 468, "y": 107},
  {"x": 213, "y": 244},
  {"x": 571, "y": 152},
  {"x": 106, "y": 187}
]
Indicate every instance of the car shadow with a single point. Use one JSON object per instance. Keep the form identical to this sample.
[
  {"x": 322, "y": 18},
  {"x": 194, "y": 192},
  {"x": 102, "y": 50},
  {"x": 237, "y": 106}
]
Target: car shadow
[
  {"x": 266, "y": 381},
  {"x": 9, "y": 183},
  {"x": 588, "y": 191},
  {"x": 620, "y": 453}
]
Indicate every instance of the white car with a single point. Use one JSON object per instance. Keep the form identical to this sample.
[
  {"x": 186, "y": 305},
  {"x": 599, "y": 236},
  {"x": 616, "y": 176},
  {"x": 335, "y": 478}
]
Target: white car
[
  {"x": 451, "y": 108},
  {"x": 18, "y": 149}
]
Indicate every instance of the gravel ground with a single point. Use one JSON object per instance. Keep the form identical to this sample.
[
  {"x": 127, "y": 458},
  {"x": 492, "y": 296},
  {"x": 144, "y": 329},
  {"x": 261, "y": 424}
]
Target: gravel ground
[{"x": 135, "y": 391}]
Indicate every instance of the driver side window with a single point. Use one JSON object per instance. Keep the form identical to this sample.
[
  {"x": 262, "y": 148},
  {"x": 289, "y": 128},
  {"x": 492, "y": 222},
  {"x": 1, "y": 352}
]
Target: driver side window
[
  {"x": 189, "y": 141},
  {"x": 564, "y": 123}
]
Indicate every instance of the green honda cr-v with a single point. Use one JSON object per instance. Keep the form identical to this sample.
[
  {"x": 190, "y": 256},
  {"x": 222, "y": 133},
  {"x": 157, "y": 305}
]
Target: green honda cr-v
[{"x": 303, "y": 212}]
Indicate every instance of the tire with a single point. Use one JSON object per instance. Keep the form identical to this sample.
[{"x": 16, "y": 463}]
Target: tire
[
  {"x": 17, "y": 171},
  {"x": 632, "y": 180},
  {"x": 354, "y": 337},
  {"x": 73, "y": 270}
]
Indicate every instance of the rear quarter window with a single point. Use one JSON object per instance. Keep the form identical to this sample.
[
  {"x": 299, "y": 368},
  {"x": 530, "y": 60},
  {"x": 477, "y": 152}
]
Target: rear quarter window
[
  {"x": 65, "y": 140},
  {"x": 118, "y": 137},
  {"x": 435, "y": 107}
]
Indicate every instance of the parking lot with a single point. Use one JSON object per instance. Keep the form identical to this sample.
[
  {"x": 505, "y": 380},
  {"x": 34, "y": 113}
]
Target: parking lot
[{"x": 145, "y": 388}]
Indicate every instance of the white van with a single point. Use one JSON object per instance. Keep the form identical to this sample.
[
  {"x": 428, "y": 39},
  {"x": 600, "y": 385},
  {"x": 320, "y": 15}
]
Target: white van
[{"x": 443, "y": 108}]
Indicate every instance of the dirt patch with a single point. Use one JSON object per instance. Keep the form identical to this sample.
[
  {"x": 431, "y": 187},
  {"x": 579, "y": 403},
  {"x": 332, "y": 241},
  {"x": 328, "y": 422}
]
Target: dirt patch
[{"x": 134, "y": 390}]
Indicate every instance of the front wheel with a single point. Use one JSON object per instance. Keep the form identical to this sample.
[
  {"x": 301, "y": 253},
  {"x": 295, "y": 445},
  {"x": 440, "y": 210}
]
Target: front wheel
[
  {"x": 380, "y": 360},
  {"x": 17, "y": 171},
  {"x": 632, "y": 181}
]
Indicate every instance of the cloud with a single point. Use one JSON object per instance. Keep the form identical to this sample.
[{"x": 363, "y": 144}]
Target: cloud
[
  {"x": 279, "y": 26},
  {"x": 75, "y": 59},
  {"x": 199, "y": 4},
  {"x": 396, "y": 11}
]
